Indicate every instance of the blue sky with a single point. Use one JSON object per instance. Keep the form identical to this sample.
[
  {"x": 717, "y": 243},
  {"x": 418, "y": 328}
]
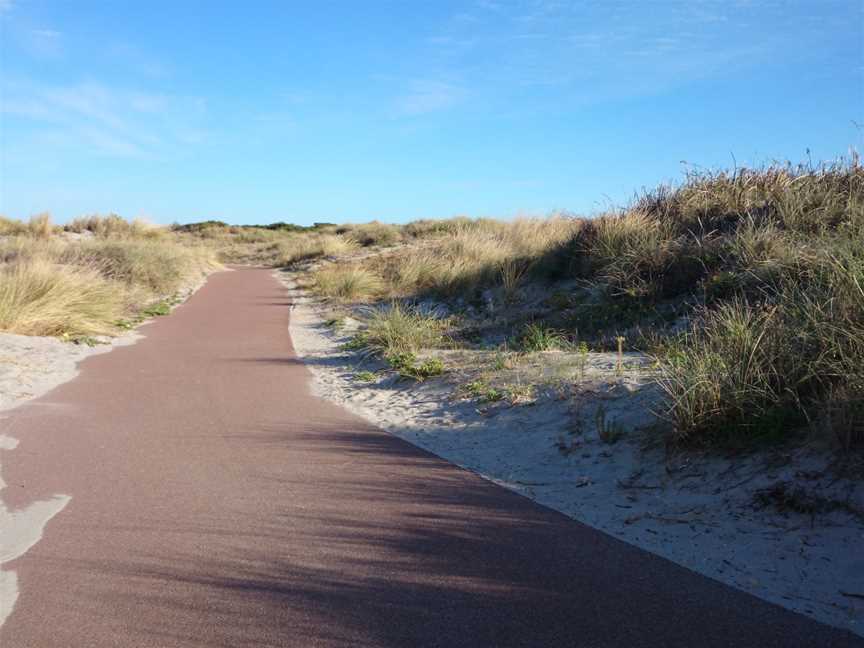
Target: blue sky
[{"x": 346, "y": 111}]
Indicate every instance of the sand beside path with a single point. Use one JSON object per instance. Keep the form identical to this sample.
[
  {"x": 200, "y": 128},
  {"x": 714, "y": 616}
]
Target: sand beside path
[
  {"x": 696, "y": 510},
  {"x": 216, "y": 502}
]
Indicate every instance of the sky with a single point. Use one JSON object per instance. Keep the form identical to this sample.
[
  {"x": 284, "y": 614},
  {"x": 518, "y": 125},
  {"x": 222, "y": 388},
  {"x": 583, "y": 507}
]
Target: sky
[{"x": 257, "y": 111}]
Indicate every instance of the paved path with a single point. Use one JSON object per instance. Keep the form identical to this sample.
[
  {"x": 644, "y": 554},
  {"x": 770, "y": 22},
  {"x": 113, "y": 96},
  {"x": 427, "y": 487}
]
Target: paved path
[{"x": 216, "y": 503}]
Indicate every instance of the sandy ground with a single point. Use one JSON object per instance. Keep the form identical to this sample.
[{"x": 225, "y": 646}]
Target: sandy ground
[
  {"x": 711, "y": 514},
  {"x": 29, "y": 368}
]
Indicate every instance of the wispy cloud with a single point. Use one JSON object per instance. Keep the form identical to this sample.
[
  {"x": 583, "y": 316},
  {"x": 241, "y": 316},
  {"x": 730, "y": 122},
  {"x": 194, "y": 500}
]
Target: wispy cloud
[
  {"x": 595, "y": 52},
  {"x": 427, "y": 96},
  {"x": 6, "y": 5},
  {"x": 101, "y": 119}
]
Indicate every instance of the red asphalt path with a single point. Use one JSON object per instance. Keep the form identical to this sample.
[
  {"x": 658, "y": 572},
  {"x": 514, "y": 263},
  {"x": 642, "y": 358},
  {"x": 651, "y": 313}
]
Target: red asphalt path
[{"x": 215, "y": 502}]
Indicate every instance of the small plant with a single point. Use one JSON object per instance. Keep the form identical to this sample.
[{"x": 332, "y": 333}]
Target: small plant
[
  {"x": 501, "y": 362},
  {"x": 158, "y": 309},
  {"x": 538, "y": 337},
  {"x": 512, "y": 274},
  {"x": 619, "y": 368},
  {"x": 401, "y": 360},
  {"x": 356, "y": 342},
  {"x": 582, "y": 358},
  {"x": 364, "y": 376},
  {"x": 520, "y": 393},
  {"x": 427, "y": 369},
  {"x": 86, "y": 340},
  {"x": 406, "y": 364},
  {"x": 484, "y": 392},
  {"x": 609, "y": 431}
]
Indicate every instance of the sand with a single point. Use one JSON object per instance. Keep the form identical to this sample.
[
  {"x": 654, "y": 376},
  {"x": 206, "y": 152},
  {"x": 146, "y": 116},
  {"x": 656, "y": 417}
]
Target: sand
[{"x": 701, "y": 511}]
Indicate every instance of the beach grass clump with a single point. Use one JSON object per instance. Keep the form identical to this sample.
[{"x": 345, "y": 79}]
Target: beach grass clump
[
  {"x": 40, "y": 226},
  {"x": 763, "y": 368},
  {"x": 39, "y": 297},
  {"x": 472, "y": 256},
  {"x": 397, "y": 329},
  {"x": 58, "y": 285},
  {"x": 373, "y": 233},
  {"x": 114, "y": 226},
  {"x": 160, "y": 267},
  {"x": 303, "y": 247},
  {"x": 537, "y": 336},
  {"x": 11, "y": 227},
  {"x": 346, "y": 283}
]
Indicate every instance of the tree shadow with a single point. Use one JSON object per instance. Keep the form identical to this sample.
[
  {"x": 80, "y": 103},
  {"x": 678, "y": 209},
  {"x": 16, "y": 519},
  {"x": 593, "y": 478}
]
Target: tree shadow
[{"x": 375, "y": 542}]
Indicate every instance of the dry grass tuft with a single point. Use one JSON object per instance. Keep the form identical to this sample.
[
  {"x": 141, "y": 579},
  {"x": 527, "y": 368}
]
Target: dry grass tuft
[
  {"x": 397, "y": 330},
  {"x": 346, "y": 283},
  {"x": 55, "y": 286},
  {"x": 113, "y": 226},
  {"x": 38, "y": 297}
]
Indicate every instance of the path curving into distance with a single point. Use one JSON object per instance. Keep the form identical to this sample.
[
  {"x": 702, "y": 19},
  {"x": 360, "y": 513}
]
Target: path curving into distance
[{"x": 214, "y": 502}]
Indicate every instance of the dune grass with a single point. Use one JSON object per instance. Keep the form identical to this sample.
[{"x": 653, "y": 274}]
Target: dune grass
[
  {"x": 395, "y": 330},
  {"x": 38, "y": 297},
  {"x": 114, "y": 226},
  {"x": 766, "y": 264},
  {"x": 346, "y": 283},
  {"x": 53, "y": 285},
  {"x": 301, "y": 247}
]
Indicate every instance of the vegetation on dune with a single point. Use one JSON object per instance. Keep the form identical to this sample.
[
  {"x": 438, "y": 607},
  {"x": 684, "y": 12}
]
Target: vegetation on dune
[
  {"x": 764, "y": 268},
  {"x": 346, "y": 283},
  {"x": 51, "y": 284},
  {"x": 395, "y": 330},
  {"x": 747, "y": 286},
  {"x": 38, "y": 297}
]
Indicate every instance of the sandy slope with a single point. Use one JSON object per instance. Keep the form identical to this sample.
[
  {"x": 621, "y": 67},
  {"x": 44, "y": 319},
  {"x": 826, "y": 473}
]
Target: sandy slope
[{"x": 698, "y": 511}]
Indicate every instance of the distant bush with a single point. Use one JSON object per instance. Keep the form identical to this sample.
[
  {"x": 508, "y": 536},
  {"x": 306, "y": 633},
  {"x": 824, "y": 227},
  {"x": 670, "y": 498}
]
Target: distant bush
[
  {"x": 309, "y": 246},
  {"x": 373, "y": 233},
  {"x": 113, "y": 226}
]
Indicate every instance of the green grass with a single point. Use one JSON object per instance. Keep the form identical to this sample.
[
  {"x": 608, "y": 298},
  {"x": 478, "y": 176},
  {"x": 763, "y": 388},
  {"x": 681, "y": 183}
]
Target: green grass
[
  {"x": 482, "y": 391},
  {"x": 397, "y": 329},
  {"x": 539, "y": 337}
]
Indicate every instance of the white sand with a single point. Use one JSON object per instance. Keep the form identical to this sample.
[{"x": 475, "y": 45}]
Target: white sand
[{"x": 697, "y": 511}]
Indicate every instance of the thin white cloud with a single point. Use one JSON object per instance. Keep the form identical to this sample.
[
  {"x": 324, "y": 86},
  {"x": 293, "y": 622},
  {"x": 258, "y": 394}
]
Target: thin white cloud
[
  {"x": 41, "y": 43},
  {"x": 104, "y": 120},
  {"x": 427, "y": 96}
]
